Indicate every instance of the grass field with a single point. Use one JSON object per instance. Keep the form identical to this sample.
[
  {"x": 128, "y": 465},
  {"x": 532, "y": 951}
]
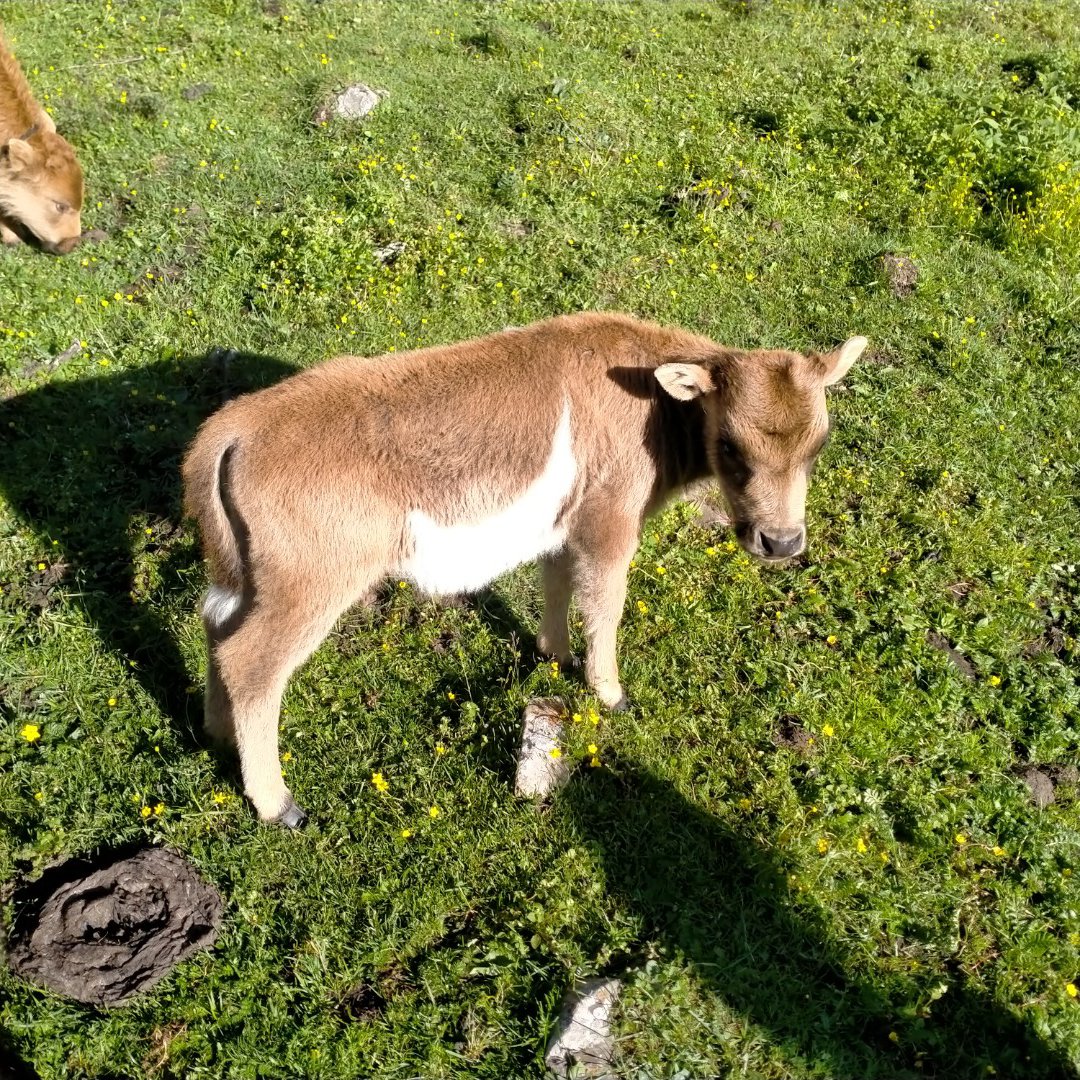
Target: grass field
[{"x": 810, "y": 849}]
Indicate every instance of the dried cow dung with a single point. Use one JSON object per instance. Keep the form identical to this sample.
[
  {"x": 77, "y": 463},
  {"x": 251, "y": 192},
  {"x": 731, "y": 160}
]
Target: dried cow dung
[{"x": 101, "y": 930}]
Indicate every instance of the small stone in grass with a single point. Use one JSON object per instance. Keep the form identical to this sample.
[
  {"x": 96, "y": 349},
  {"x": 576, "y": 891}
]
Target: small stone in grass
[
  {"x": 541, "y": 768},
  {"x": 388, "y": 254},
  {"x": 353, "y": 103},
  {"x": 581, "y": 1044}
]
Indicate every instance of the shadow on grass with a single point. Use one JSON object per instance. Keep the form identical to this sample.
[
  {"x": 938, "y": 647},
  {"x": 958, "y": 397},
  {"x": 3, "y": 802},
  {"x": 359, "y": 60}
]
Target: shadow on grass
[
  {"x": 93, "y": 468},
  {"x": 722, "y": 902}
]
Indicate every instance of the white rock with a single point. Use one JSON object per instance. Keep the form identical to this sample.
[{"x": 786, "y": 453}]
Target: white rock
[
  {"x": 355, "y": 102},
  {"x": 539, "y": 772},
  {"x": 389, "y": 253},
  {"x": 582, "y": 1036}
]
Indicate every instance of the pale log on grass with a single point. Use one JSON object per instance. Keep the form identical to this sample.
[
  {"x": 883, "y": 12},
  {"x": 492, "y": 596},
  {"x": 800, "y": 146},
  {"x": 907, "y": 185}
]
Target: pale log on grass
[{"x": 449, "y": 466}]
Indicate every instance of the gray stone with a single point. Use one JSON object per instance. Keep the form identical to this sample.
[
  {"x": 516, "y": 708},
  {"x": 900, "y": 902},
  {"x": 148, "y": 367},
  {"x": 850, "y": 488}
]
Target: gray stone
[
  {"x": 539, "y": 770},
  {"x": 388, "y": 254},
  {"x": 355, "y": 102},
  {"x": 581, "y": 1044}
]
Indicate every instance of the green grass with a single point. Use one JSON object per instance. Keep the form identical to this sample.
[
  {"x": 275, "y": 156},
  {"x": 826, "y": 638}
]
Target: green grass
[{"x": 884, "y": 902}]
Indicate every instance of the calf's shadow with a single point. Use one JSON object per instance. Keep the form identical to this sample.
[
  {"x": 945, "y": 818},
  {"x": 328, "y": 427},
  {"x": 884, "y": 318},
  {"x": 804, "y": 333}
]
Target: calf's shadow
[
  {"x": 92, "y": 466},
  {"x": 722, "y": 901}
]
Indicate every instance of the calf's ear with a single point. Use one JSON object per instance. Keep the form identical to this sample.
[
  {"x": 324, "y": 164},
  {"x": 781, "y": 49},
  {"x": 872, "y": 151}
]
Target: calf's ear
[
  {"x": 684, "y": 382},
  {"x": 18, "y": 155},
  {"x": 835, "y": 365}
]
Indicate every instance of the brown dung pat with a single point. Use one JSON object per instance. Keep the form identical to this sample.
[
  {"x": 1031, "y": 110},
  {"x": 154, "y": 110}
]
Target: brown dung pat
[{"x": 102, "y": 930}]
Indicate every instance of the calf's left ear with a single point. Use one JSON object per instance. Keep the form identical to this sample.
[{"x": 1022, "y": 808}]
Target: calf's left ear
[
  {"x": 835, "y": 365},
  {"x": 18, "y": 155},
  {"x": 684, "y": 382}
]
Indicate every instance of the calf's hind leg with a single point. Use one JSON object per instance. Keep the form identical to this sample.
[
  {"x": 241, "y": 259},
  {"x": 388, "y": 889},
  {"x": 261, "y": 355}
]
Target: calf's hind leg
[{"x": 249, "y": 668}]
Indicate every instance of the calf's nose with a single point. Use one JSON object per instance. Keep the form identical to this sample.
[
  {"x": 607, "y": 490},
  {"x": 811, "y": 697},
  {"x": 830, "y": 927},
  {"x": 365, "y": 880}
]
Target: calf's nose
[
  {"x": 782, "y": 544},
  {"x": 62, "y": 247}
]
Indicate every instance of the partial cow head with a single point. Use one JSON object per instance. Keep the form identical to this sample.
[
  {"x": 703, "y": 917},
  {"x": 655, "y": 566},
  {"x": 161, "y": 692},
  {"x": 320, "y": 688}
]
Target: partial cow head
[
  {"x": 765, "y": 424},
  {"x": 41, "y": 191}
]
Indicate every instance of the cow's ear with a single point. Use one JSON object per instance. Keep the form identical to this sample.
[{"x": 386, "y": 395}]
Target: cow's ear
[
  {"x": 18, "y": 155},
  {"x": 836, "y": 364},
  {"x": 684, "y": 382}
]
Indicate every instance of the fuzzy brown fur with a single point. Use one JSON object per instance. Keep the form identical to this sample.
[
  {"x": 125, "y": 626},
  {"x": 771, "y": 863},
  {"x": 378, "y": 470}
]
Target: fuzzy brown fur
[
  {"x": 41, "y": 181},
  {"x": 310, "y": 493}
]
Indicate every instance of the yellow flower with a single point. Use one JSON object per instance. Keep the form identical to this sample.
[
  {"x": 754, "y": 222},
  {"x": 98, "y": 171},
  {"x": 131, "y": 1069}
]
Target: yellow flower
[
  {"x": 827, "y": 729},
  {"x": 822, "y": 846},
  {"x": 860, "y": 846},
  {"x": 554, "y": 667},
  {"x": 433, "y": 812},
  {"x": 556, "y": 752},
  {"x": 594, "y": 763},
  {"x": 406, "y": 833},
  {"x": 1070, "y": 989},
  {"x": 159, "y": 809},
  {"x": 39, "y": 795},
  {"x": 593, "y": 749},
  {"x": 745, "y": 803},
  {"x": 961, "y": 839},
  {"x": 146, "y": 811},
  {"x": 112, "y": 703},
  {"x": 439, "y": 749},
  {"x": 999, "y": 851},
  {"x": 831, "y": 639},
  {"x": 711, "y": 552},
  {"x": 642, "y": 607},
  {"x": 30, "y": 732},
  {"x": 220, "y": 797},
  {"x": 661, "y": 569},
  {"x": 377, "y": 780},
  {"x": 450, "y": 695},
  {"x": 893, "y": 1037},
  {"x": 577, "y": 718},
  {"x": 994, "y": 680},
  {"x": 287, "y": 756}
]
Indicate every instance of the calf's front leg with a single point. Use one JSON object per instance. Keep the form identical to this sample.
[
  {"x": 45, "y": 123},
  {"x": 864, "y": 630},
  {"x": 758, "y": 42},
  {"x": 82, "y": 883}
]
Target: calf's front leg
[
  {"x": 553, "y": 638},
  {"x": 601, "y": 565}
]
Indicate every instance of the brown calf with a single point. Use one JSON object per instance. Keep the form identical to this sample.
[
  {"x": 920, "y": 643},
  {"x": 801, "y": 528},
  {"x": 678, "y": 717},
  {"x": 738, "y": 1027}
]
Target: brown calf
[
  {"x": 451, "y": 465},
  {"x": 41, "y": 182}
]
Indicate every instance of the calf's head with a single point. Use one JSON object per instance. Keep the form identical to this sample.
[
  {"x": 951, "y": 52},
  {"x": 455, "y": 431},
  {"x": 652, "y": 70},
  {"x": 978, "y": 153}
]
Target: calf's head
[
  {"x": 41, "y": 191},
  {"x": 765, "y": 424}
]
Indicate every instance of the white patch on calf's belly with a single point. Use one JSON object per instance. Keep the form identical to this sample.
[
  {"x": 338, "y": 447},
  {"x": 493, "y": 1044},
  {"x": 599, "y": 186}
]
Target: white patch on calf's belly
[{"x": 465, "y": 556}]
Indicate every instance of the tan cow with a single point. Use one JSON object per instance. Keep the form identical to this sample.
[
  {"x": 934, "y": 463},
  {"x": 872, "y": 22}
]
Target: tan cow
[
  {"x": 450, "y": 465},
  {"x": 41, "y": 182}
]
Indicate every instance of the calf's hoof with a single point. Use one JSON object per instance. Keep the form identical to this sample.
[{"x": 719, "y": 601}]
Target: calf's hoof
[
  {"x": 612, "y": 697},
  {"x": 292, "y": 817}
]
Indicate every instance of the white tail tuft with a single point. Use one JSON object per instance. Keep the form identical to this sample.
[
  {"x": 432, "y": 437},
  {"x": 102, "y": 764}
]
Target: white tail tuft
[{"x": 220, "y": 605}]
